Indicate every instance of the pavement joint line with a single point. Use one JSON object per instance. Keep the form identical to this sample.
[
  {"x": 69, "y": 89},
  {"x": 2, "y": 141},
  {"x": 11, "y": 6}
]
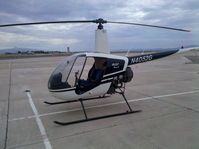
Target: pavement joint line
[
  {"x": 39, "y": 123},
  {"x": 157, "y": 98},
  {"x": 104, "y": 105},
  {"x": 187, "y": 108},
  {"x": 166, "y": 70},
  {"x": 164, "y": 83},
  {"x": 8, "y": 105}
]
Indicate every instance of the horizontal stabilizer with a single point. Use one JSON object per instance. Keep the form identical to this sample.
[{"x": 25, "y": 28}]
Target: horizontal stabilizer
[{"x": 182, "y": 50}]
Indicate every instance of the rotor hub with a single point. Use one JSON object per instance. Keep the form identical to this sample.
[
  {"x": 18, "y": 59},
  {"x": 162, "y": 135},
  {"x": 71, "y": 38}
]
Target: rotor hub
[{"x": 100, "y": 21}]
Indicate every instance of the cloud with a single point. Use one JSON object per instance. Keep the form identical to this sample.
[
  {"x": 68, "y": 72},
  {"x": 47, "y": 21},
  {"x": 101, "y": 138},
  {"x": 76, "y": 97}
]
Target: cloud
[
  {"x": 24, "y": 40},
  {"x": 178, "y": 14}
]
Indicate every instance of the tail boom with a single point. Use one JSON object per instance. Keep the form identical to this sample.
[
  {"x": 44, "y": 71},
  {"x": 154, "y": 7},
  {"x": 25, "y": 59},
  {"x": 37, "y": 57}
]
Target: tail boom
[{"x": 153, "y": 56}]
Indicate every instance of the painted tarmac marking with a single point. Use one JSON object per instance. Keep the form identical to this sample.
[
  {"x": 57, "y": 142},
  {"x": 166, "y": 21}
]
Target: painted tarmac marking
[
  {"x": 8, "y": 105},
  {"x": 104, "y": 105},
  {"x": 39, "y": 123}
]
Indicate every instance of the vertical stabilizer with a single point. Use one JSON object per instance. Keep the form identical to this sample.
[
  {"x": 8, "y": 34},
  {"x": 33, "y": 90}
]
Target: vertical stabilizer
[{"x": 101, "y": 41}]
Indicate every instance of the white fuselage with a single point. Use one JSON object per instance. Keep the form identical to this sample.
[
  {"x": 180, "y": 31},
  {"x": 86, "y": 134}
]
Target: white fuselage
[{"x": 100, "y": 90}]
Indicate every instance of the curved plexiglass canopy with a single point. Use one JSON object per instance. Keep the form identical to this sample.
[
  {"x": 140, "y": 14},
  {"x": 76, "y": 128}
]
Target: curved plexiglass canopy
[
  {"x": 77, "y": 67},
  {"x": 59, "y": 79}
]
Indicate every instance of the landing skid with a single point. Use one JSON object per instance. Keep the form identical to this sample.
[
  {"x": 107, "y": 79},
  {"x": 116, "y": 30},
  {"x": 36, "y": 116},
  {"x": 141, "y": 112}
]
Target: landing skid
[
  {"x": 87, "y": 119},
  {"x": 95, "y": 118}
]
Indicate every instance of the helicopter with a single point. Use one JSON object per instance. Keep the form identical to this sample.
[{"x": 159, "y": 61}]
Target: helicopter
[{"x": 93, "y": 75}]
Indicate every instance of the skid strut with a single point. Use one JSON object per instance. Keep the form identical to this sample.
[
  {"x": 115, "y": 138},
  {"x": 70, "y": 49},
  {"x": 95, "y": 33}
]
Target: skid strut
[{"x": 86, "y": 119}]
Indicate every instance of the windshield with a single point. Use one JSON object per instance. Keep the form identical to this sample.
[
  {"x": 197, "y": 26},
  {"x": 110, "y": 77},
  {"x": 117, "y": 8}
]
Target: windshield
[{"x": 58, "y": 78}]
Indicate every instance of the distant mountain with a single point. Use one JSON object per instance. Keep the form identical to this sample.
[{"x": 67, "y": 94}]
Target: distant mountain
[
  {"x": 154, "y": 49},
  {"x": 15, "y": 50}
]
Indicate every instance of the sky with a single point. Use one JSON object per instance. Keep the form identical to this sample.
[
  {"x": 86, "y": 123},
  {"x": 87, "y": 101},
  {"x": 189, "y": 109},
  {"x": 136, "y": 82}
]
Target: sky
[{"x": 81, "y": 37}]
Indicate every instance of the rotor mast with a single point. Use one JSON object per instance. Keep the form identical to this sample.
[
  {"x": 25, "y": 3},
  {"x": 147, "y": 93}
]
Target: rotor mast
[{"x": 101, "y": 40}]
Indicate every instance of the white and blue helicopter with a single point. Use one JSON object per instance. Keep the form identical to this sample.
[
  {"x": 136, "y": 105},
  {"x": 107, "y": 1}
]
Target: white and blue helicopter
[{"x": 89, "y": 76}]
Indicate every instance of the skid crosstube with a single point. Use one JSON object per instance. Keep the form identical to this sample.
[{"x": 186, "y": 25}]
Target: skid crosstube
[{"x": 87, "y": 119}]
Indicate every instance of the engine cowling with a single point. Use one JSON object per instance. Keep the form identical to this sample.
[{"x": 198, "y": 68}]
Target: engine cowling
[
  {"x": 120, "y": 80},
  {"x": 128, "y": 75}
]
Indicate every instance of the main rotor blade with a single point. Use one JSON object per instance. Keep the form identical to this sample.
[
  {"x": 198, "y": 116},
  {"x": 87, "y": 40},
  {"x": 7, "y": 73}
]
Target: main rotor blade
[
  {"x": 97, "y": 21},
  {"x": 147, "y": 25},
  {"x": 50, "y": 22}
]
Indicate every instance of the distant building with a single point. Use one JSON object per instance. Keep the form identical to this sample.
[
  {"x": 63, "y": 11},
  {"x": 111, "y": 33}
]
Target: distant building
[{"x": 68, "y": 49}]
